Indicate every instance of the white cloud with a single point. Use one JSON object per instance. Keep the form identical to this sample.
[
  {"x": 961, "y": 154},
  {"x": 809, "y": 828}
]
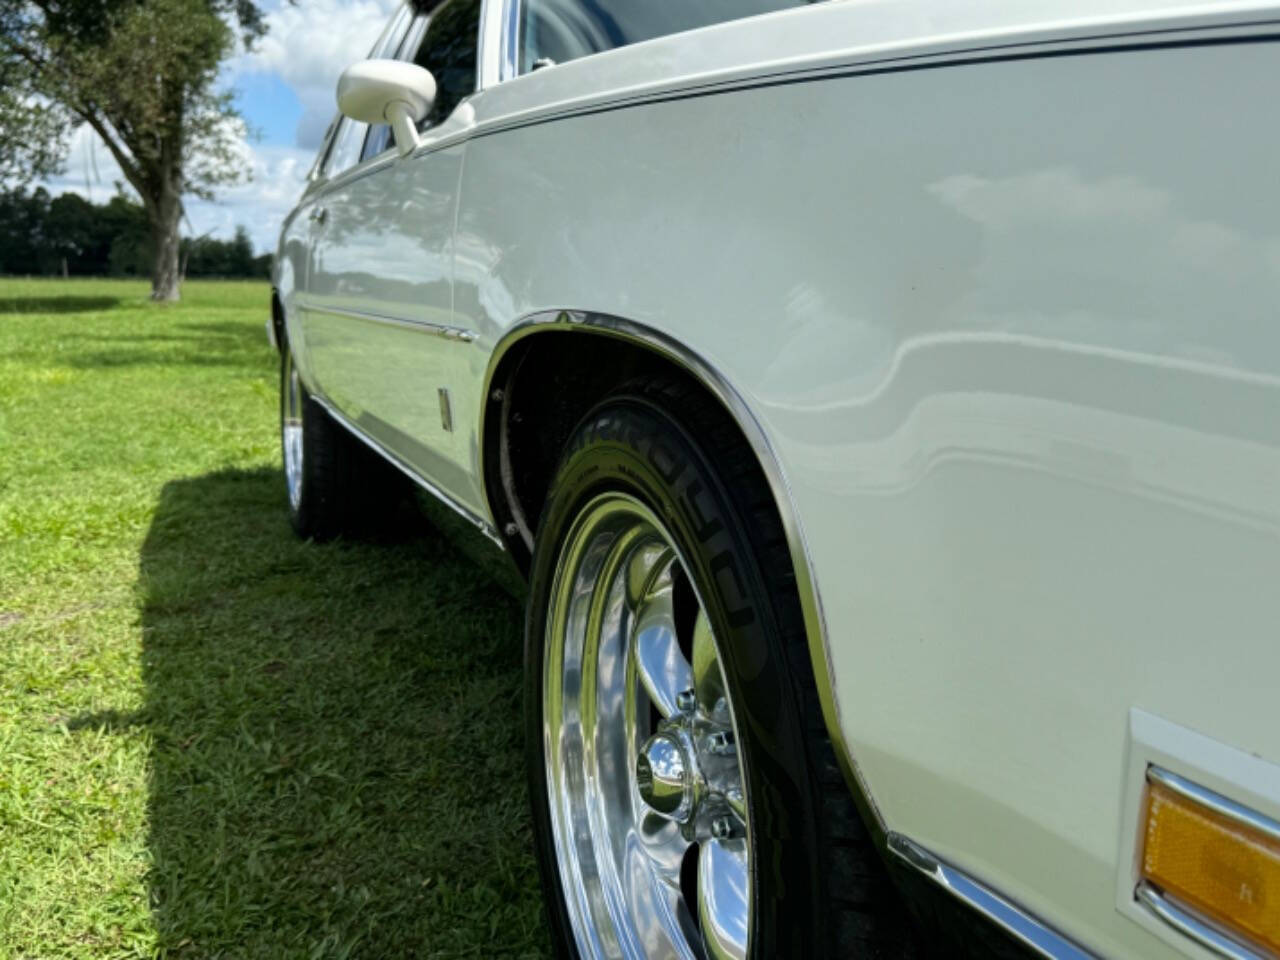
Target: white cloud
[
  {"x": 308, "y": 46},
  {"x": 91, "y": 171},
  {"x": 261, "y": 204},
  {"x": 277, "y": 172}
]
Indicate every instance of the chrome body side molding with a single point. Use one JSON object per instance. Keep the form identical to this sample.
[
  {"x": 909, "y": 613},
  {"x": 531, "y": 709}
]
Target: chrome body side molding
[
  {"x": 1015, "y": 921},
  {"x": 811, "y": 605},
  {"x": 424, "y": 326},
  {"x": 481, "y": 525}
]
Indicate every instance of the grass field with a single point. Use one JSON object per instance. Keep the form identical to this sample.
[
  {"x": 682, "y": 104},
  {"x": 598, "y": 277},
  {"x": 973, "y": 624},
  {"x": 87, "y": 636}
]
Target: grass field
[{"x": 217, "y": 741}]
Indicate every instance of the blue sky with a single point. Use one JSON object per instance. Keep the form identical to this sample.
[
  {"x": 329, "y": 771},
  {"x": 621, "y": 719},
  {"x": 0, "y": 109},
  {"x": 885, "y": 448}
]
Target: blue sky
[
  {"x": 285, "y": 90},
  {"x": 270, "y": 107}
]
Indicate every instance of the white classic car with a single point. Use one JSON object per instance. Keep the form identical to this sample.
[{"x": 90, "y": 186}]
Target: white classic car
[{"x": 882, "y": 403}]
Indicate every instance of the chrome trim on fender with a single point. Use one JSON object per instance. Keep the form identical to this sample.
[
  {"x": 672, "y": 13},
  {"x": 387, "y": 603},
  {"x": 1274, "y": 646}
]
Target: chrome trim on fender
[
  {"x": 1005, "y": 914},
  {"x": 347, "y": 423},
  {"x": 1191, "y": 926},
  {"x": 423, "y": 326},
  {"x": 709, "y": 377},
  {"x": 1223, "y": 806}
]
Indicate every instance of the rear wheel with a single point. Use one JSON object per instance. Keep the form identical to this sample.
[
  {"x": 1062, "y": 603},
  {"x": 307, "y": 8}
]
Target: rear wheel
[
  {"x": 336, "y": 486},
  {"x": 686, "y": 799}
]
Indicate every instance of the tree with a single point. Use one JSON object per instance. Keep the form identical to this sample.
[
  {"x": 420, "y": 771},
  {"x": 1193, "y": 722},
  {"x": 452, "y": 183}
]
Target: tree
[
  {"x": 67, "y": 228},
  {"x": 67, "y": 234},
  {"x": 141, "y": 73},
  {"x": 22, "y": 217}
]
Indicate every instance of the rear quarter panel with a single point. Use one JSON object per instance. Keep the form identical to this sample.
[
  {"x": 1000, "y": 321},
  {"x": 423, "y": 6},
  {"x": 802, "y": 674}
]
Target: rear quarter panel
[{"x": 1012, "y": 329}]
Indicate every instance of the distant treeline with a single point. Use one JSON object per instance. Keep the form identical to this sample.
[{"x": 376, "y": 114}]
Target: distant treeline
[{"x": 67, "y": 235}]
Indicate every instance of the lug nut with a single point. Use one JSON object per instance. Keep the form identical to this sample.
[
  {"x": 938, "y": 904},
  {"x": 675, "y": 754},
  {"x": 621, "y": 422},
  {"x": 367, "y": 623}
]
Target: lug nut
[
  {"x": 722, "y": 828},
  {"x": 721, "y": 742},
  {"x": 686, "y": 700}
]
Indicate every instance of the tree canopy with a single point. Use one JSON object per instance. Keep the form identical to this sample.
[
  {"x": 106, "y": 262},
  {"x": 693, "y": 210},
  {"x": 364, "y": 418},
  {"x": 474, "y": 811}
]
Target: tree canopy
[
  {"x": 43, "y": 234},
  {"x": 142, "y": 74}
]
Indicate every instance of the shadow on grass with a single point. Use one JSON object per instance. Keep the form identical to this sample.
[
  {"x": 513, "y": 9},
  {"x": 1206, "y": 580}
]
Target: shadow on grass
[
  {"x": 207, "y": 345},
  {"x": 67, "y": 304},
  {"x": 337, "y": 766}
]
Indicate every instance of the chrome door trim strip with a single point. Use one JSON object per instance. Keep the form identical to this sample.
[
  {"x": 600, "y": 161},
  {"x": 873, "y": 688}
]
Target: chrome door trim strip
[
  {"x": 806, "y": 583},
  {"x": 489, "y": 65},
  {"x": 465, "y": 513},
  {"x": 1014, "y": 920},
  {"x": 1209, "y": 937},
  {"x": 444, "y": 331},
  {"x": 1223, "y": 806}
]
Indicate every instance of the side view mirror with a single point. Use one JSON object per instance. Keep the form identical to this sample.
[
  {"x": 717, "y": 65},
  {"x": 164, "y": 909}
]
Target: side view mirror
[{"x": 388, "y": 91}]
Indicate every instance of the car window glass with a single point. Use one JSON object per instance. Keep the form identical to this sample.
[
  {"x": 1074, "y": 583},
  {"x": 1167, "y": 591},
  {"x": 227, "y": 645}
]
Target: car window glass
[
  {"x": 325, "y": 141},
  {"x": 380, "y": 137},
  {"x": 563, "y": 30},
  {"x": 349, "y": 140},
  {"x": 448, "y": 50}
]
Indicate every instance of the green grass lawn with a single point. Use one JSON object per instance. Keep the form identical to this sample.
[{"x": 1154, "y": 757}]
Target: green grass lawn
[{"x": 215, "y": 740}]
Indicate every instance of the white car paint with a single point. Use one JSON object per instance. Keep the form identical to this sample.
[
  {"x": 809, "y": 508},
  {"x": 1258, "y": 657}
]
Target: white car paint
[{"x": 1000, "y": 285}]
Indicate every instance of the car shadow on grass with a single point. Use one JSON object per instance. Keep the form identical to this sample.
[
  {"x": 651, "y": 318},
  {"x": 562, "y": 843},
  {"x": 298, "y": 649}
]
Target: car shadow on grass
[
  {"x": 337, "y": 745},
  {"x": 64, "y": 304}
]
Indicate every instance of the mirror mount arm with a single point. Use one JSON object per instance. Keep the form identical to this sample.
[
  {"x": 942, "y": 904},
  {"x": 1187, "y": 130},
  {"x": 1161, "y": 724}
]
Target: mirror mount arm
[{"x": 400, "y": 114}]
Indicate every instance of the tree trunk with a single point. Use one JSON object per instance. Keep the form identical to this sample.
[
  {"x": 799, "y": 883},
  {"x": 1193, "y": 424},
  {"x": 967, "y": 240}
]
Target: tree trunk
[{"x": 166, "y": 213}]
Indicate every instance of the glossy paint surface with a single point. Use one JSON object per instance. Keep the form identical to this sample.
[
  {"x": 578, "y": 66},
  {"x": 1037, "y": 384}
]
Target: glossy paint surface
[
  {"x": 379, "y": 298},
  {"x": 1013, "y": 328}
]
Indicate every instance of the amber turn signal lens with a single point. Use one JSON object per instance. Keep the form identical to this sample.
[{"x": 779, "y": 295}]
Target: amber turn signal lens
[{"x": 1226, "y": 870}]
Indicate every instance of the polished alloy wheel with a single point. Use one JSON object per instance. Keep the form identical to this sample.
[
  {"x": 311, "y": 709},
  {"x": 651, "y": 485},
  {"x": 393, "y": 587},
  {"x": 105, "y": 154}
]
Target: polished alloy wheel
[
  {"x": 648, "y": 806},
  {"x": 291, "y": 430}
]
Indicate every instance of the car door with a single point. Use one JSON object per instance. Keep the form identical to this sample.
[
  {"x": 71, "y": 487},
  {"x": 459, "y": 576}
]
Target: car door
[{"x": 384, "y": 349}]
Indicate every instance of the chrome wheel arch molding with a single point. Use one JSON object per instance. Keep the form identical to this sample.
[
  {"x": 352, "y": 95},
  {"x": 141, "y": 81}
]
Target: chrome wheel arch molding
[
  {"x": 493, "y": 413},
  {"x": 1025, "y": 928}
]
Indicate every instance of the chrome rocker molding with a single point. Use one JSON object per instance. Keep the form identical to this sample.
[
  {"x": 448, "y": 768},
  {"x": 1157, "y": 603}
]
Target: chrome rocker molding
[
  {"x": 1031, "y": 932},
  {"x": 481, "y": 525},
  {"x": 672, "y": 350}
]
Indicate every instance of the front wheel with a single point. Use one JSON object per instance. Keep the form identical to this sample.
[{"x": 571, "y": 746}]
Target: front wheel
[{"x": 681, "y": 779}]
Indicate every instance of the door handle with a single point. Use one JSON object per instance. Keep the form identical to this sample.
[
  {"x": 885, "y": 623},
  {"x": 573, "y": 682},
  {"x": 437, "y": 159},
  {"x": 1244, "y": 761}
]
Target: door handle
[{"x": 318, "y": 215}]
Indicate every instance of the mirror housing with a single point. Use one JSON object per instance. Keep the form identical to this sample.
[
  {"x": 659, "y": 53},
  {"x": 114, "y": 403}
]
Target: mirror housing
[{"x": 388, "y": 91}]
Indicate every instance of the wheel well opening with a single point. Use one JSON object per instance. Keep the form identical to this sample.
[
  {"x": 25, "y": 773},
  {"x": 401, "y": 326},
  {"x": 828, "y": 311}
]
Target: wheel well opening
[{"x": 543, "y": 386}]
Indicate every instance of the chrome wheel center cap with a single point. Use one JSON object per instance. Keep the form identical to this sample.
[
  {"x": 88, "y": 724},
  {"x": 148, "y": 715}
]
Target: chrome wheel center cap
[{"x": 665, "y": 777}]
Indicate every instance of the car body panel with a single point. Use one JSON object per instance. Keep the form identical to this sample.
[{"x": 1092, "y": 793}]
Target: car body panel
[
  {"x": 378, "y": 311},
  {"x": 1008, "y": 321}
]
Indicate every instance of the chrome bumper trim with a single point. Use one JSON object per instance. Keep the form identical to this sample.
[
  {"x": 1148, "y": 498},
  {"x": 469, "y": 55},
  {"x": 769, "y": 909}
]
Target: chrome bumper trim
[
  {"x": 1186, "y": 923},
  {"x": 1005, "y": 914},
  {"x": 348, "y": 424}
]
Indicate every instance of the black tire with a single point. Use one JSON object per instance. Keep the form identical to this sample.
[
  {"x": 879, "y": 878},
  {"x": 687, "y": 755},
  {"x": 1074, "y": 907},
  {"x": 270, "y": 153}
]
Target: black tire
[
  {"x": 345, "y": 489},
  {"x": 821, "y": 890}
]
